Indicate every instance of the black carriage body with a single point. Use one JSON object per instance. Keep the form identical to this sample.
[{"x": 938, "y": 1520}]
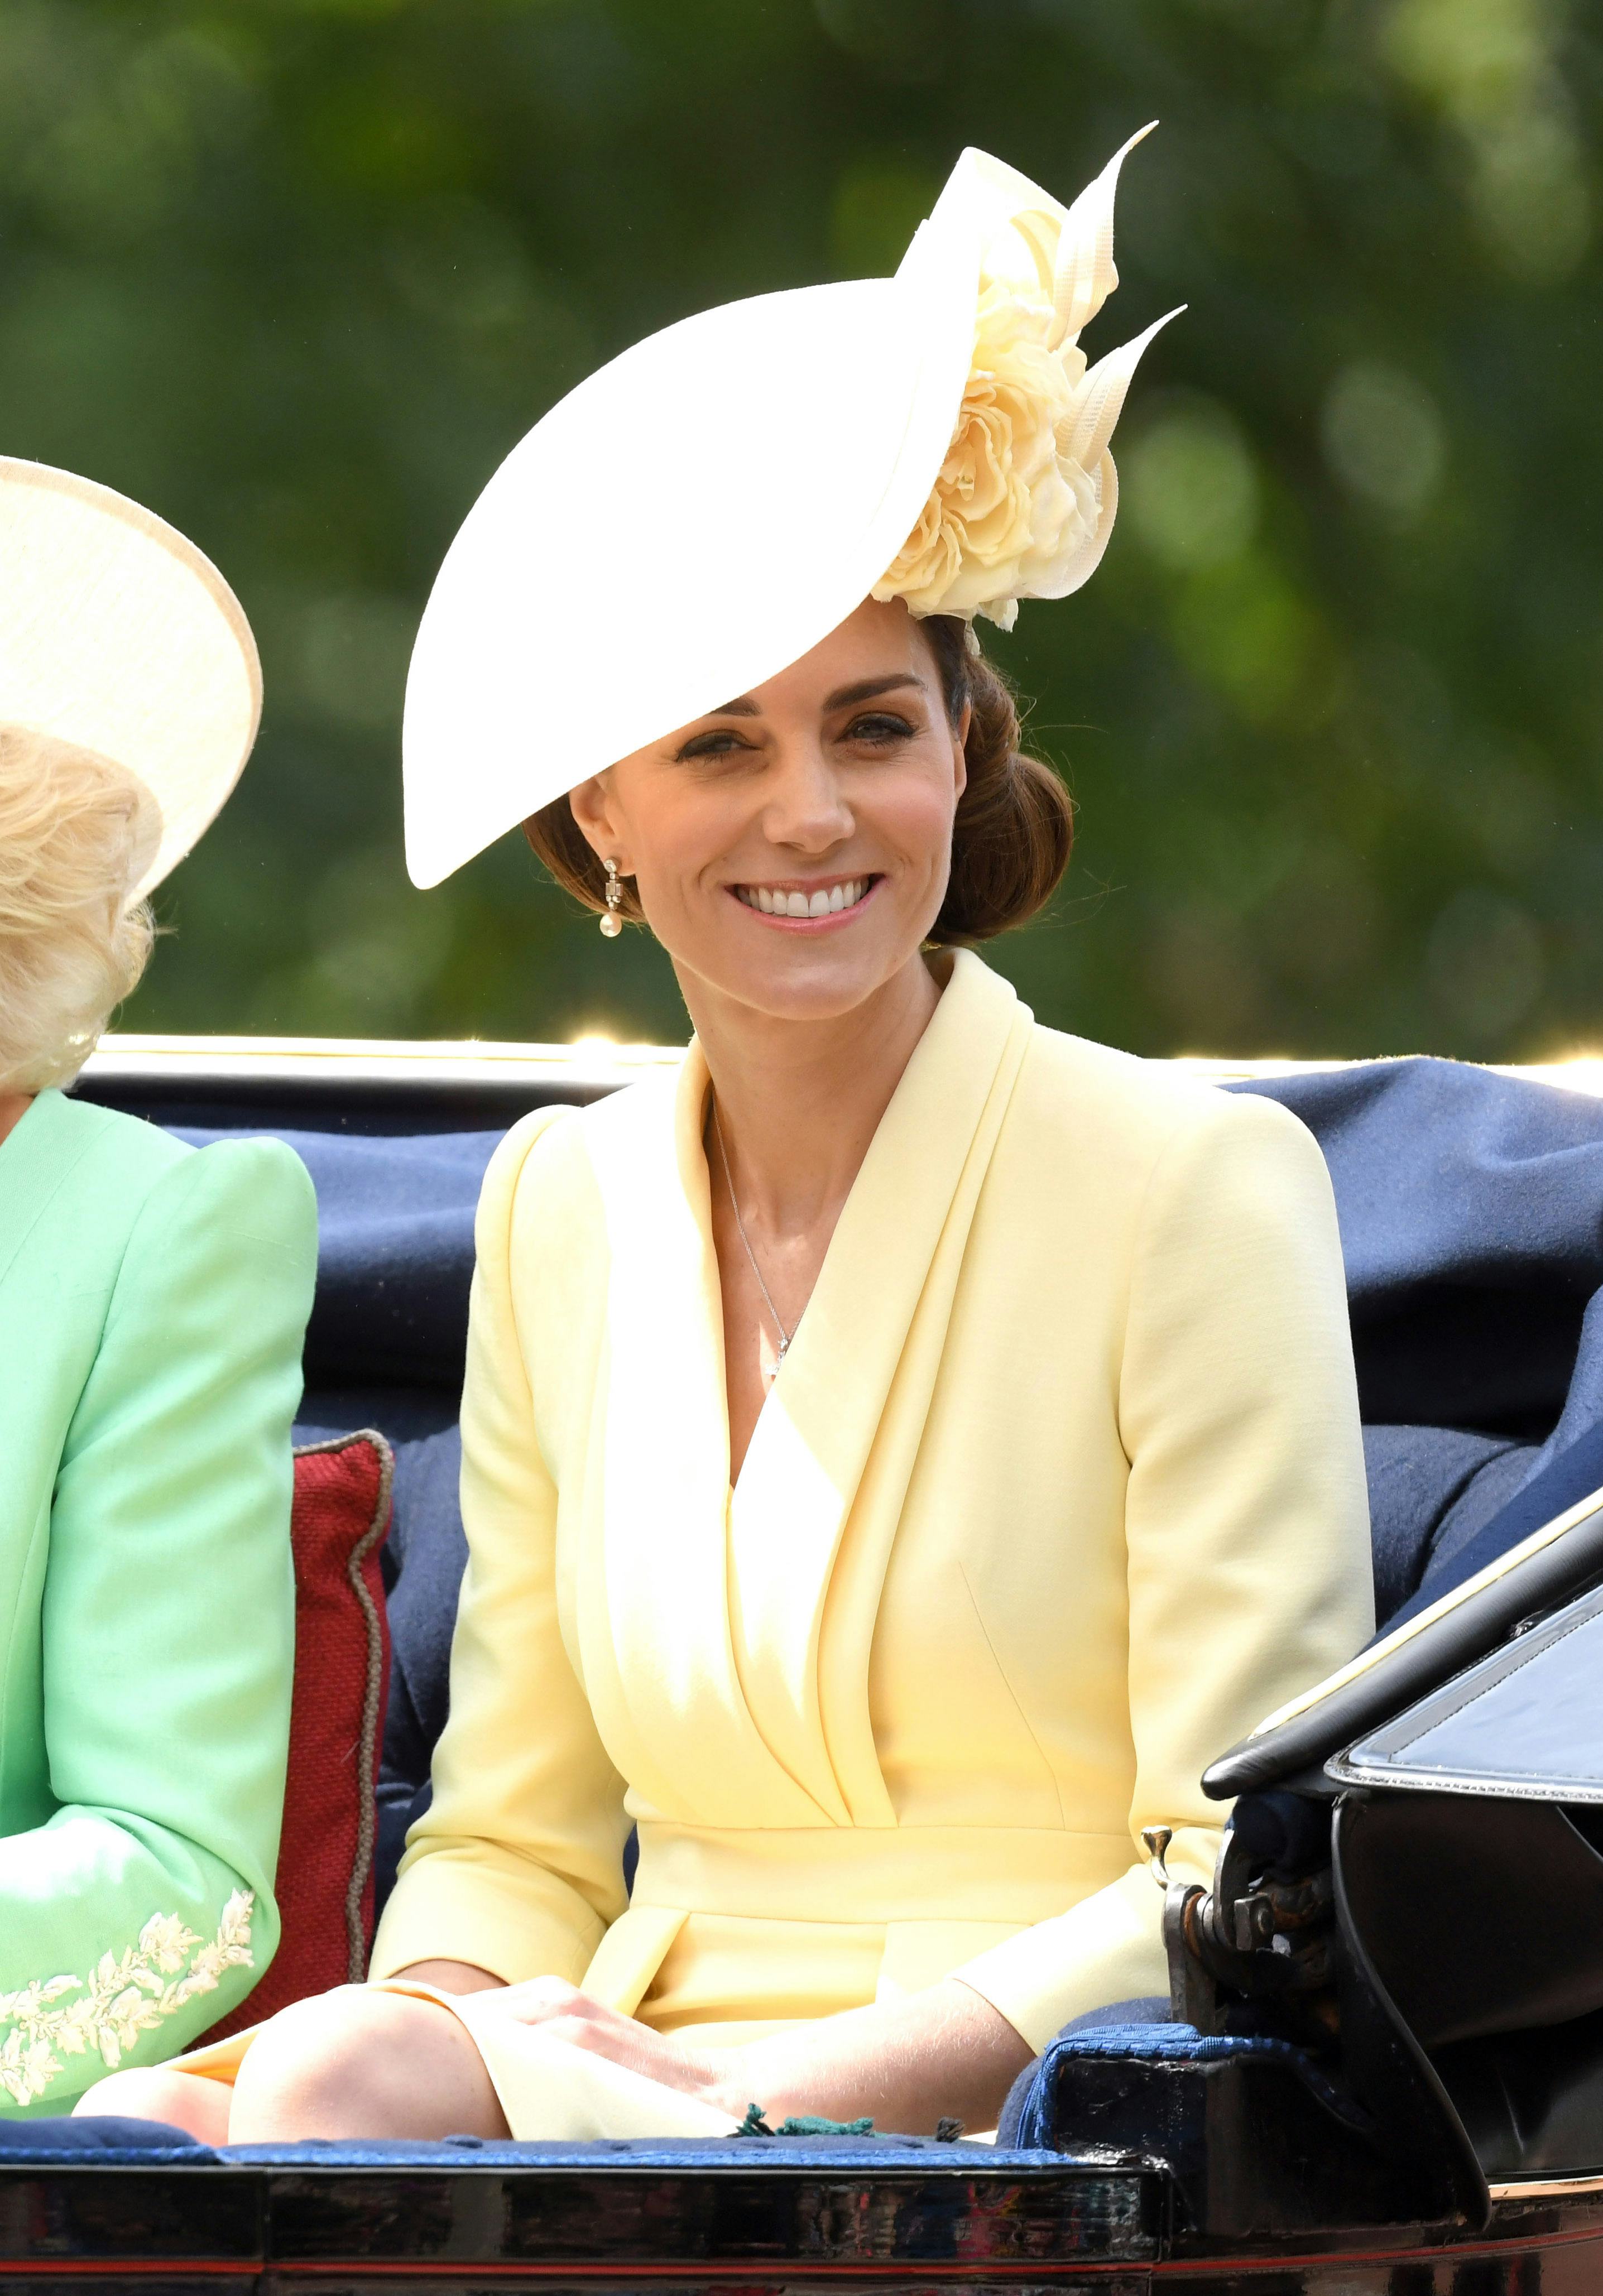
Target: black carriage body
[{"x": 773, "y": 2227}]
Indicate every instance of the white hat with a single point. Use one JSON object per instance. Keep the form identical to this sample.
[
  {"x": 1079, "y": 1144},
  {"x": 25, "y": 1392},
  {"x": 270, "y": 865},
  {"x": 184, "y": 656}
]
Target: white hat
[
  {"x": 117, "y": 635},
  {"x": 705, "y": 510}
]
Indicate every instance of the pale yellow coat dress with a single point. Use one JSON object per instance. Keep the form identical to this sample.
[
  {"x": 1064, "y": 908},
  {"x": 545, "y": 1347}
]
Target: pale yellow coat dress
[{"x": 1058, "y": 1490}]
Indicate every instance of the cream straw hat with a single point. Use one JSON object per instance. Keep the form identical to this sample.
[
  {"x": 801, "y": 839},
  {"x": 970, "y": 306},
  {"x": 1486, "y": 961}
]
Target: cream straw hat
[
  {"x": 117, "y": 635},
  {"x": 707, "y": 508}
]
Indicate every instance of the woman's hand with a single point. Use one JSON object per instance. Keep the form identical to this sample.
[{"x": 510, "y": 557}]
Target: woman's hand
[
  {"x": 569, "y": 2015},
  {"x": 944, "y": 2053},
  {"x": 907, "y": 2063}
]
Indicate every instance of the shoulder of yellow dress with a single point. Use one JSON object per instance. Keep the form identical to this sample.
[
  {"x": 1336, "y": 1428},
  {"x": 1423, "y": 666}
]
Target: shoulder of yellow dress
[
  {"x": 1121, "y": 1079},
  {"x": 545, "y": 1156},
  {"x": 526, "y": 1147},
  {"x": 1093, "y": 1097}
]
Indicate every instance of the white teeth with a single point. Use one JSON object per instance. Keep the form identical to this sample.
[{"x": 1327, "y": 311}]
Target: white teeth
[{"x": 821, "y": 904}]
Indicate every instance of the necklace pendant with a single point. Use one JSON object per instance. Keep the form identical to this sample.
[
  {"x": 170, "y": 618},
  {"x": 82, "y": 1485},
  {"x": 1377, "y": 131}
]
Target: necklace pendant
[{"x": 783, "y": 1351}]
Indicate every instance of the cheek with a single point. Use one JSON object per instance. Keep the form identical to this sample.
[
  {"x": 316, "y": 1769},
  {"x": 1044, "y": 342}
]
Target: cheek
[
  {"x": 671, "y": 864},
  {"x": 914, "y": 816},
  {"x": 679, "y": 841}
]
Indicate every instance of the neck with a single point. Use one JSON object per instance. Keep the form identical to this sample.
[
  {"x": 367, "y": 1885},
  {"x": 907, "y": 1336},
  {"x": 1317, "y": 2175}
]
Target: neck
[
  {"x": 799, "y": 1101},
  {"x": 13, "y": 1107}
]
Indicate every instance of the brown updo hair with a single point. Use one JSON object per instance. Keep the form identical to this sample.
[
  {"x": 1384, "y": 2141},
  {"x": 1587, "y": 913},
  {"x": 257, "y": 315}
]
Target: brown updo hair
[{"x": 1011, "y": 838}]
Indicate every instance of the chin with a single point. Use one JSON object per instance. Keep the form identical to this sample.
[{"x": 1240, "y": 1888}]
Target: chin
[{"x": 811, "y": 987}]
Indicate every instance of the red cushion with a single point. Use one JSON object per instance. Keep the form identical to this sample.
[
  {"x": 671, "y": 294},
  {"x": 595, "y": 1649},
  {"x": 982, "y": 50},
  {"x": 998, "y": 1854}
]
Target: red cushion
[{"x": 324, "y": 1886}]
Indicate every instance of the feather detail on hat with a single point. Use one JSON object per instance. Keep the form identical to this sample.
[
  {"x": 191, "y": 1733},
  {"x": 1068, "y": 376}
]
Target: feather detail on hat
[{"x": 1025, "y": 498}]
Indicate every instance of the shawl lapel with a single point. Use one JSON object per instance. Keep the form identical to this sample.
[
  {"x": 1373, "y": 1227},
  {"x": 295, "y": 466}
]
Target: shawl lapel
[
  {"x": 655, "y": 1640},
  {"x": 820, "y": 1494},
  {"x": 704, "y": 1645}
]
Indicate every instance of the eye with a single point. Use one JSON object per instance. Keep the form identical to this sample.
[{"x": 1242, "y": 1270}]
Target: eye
[
  {"x": 720, "y": 743},
  {"x": 879, "y": 728}
]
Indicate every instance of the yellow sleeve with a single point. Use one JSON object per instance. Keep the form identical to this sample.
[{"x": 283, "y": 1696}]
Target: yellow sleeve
[
  {"x": 1247, "y": 1518},
  {"x": 517, "y": 1866}
]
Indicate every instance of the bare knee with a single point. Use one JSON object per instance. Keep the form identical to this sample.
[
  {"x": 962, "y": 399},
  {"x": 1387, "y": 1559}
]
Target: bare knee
[
  {"x": 305, "y": 2072},
  {"x": 161, "y": 2093},
  {"x": 362, "y": 2063}
]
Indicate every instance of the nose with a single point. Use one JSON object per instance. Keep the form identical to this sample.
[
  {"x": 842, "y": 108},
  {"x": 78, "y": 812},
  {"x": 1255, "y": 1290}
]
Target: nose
[{"x": 805, "y": 806}]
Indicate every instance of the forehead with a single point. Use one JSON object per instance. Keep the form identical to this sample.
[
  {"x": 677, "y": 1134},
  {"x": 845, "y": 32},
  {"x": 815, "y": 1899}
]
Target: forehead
[{"x": 878, "y": 640}]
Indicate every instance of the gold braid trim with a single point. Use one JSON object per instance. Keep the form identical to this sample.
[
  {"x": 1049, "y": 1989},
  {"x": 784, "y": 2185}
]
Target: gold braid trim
[{"x": 126, "y": 1994}]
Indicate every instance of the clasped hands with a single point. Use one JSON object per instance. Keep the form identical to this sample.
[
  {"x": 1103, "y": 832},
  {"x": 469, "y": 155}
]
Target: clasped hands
[
  {"x": 717, "y": 2077},
  {"x": 907, "y": 2063}
]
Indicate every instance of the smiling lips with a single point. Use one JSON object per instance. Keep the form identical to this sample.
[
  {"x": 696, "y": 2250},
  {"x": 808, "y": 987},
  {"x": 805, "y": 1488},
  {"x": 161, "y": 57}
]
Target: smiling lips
[{"x": 791, "y": 901}]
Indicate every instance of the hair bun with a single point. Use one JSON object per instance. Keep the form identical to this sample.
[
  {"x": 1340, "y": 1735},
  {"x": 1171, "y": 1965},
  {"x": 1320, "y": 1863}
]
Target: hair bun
[{"x": 1015, "y": 828}]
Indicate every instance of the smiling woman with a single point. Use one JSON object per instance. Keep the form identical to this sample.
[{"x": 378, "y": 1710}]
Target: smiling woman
[
  {"x": 903, "y": 1446},
  {"x": 1013, "y": 828}
]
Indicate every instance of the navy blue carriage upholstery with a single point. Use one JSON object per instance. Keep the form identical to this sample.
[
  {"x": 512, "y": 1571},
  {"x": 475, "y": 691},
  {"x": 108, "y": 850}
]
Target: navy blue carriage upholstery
[{"x": 1471, "y": 1209}]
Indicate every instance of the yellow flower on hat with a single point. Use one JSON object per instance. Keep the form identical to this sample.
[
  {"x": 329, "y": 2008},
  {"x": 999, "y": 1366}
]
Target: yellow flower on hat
[{"x": 1025, "y": 497}]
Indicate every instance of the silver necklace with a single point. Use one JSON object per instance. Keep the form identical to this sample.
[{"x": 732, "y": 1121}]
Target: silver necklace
[{"x": 785, "y": 1337}]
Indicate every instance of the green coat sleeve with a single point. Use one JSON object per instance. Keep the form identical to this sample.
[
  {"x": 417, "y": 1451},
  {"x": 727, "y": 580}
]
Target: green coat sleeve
[{"x": 143, "y": 1910}]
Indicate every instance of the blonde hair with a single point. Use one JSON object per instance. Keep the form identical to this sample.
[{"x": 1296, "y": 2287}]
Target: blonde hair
[{"x": 76, "y": 833}]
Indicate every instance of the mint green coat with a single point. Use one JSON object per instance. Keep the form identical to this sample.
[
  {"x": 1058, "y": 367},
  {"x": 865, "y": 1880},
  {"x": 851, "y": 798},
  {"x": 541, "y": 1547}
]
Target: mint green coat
[{"x": 153, "y": 1299}]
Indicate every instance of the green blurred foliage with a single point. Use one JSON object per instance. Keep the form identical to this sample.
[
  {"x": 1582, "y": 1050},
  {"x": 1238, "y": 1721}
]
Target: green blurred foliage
[{"x": 299, "y": 273}]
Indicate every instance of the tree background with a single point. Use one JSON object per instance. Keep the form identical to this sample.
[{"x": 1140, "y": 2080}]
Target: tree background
[{"x": 298, "y": 275}]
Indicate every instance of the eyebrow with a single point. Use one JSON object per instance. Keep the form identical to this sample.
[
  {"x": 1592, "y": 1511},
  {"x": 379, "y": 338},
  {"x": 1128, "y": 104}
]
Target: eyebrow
[{"x": 843, "y": 696}]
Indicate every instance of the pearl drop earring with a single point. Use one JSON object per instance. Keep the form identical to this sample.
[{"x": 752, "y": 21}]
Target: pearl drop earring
[{"x": 612, "y": 924}]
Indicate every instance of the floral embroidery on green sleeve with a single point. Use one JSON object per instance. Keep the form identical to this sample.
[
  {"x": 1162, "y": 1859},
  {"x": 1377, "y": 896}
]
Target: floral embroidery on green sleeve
[{"x": 126, "y": 1994}]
